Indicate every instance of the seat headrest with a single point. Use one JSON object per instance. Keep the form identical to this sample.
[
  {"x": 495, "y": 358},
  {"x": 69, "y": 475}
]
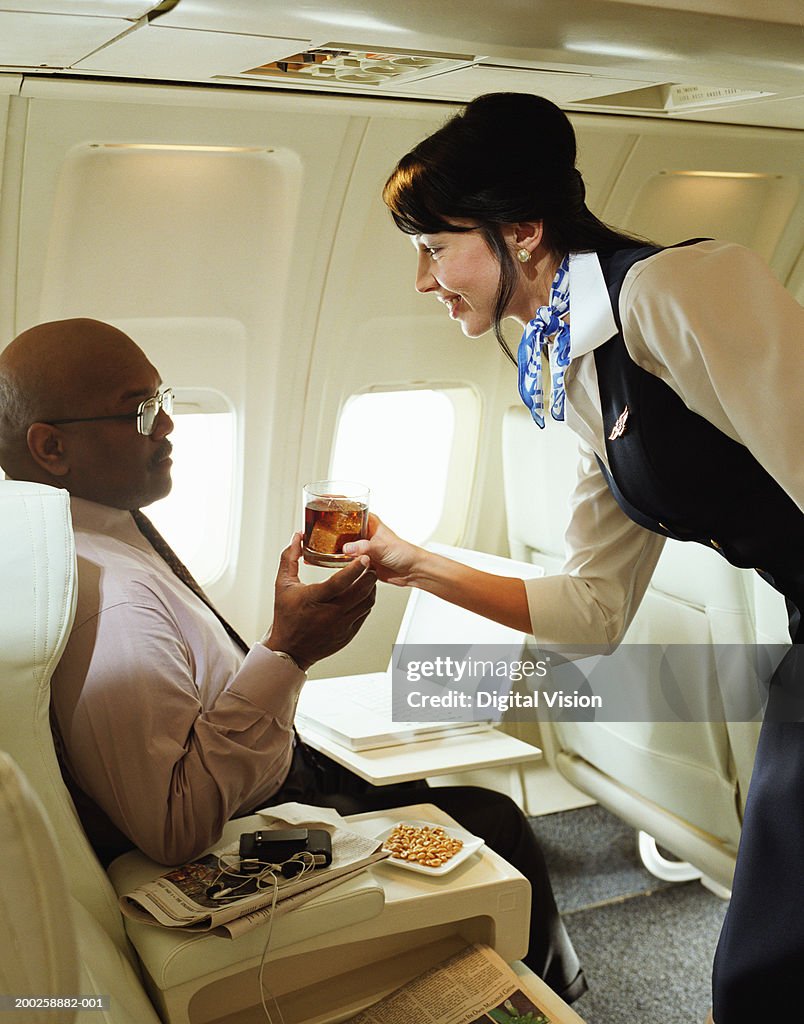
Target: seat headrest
[{"x": 37, "y": 600}]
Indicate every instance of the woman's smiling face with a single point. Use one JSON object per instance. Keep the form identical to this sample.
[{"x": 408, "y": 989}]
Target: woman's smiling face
[{"x": 459, "y": 269}]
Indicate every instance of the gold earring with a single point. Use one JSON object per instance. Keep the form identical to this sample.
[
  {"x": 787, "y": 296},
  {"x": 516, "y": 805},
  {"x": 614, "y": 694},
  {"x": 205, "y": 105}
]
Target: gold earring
[{"x": 523, "y": 255}]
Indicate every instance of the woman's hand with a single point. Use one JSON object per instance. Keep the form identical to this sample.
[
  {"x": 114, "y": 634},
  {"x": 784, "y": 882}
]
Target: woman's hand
[
  {"x": 502, "y": 598},
  {"x": 393, "y": 559}
]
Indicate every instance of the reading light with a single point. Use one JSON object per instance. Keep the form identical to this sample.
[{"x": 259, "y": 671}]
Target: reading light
[
  {"x": 719, "y": 174},
  {"x": 173, "y": 148}
]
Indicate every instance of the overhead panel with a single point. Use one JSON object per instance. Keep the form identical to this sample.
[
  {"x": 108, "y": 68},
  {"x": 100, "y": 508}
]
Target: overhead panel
[
  {"x": 344, "y": 64},
  {"x": 129, "y": 9},
  {"x": 672, "y": 59},
  {"x": 155, "y": 51},
  {"x": 321, "y": 22},
  {"x": 653, "y": 40},
  {"x": 10, "y": 85},
  {"x": 248, "y": 16},
  {"x": 674, "y": 98},
  {"x": 474, "y": 81},
  {"x": 53, "y": 40},
  {"x": 784, "y": 112}
]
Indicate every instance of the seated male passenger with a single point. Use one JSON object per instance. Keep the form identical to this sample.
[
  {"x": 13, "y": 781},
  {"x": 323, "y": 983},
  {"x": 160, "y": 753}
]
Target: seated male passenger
[{"x": 166, "y": 723}]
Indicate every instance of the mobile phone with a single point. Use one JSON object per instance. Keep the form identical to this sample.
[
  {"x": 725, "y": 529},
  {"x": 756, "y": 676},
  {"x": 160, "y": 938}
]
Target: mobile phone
[{"x": 277, "y": 846}]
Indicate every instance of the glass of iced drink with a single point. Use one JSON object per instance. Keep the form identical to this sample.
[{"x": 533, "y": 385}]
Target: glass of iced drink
[{"x": 335, "y": 512}]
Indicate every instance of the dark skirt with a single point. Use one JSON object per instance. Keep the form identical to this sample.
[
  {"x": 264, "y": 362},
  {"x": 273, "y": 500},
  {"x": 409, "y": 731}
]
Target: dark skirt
[{"x": 759, "y": 961}]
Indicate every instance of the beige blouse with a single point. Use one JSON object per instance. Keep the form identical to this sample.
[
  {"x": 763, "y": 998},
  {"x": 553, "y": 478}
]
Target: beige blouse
[{"x": 714, "y": 324}]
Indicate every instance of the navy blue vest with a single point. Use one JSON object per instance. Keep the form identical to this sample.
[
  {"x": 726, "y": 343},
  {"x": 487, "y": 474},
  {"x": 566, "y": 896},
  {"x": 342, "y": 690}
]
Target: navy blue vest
[{"x": 676, "y": 474}]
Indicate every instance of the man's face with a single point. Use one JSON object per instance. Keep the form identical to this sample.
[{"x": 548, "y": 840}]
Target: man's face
[{"x": 110, "y": 462}]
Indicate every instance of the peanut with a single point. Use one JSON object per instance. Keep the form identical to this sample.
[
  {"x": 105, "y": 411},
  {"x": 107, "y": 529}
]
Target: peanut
[{"x": 427, "y": 845}]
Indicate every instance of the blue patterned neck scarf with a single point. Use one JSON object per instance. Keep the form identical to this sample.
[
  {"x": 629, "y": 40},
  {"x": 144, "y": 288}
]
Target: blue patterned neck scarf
[{"x": 547, "y": 323}]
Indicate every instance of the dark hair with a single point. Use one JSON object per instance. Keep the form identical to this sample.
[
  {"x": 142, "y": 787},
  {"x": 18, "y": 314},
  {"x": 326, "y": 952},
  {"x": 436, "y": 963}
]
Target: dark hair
[{"x": 507, "y": 158}]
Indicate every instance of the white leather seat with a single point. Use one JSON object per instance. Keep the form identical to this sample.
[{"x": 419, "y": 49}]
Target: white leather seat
[
  {"x": 40, "y": 947},
  {"x": 683, "y": 783},
  {"x": 37, "y": 604},
  {"x": 53, "y": 947}
]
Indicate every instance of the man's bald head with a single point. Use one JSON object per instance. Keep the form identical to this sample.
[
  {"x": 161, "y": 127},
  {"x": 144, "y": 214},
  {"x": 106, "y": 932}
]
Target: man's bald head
[
  {"x": 53, "y": 371},
  {"x": 69, "y": 394}
]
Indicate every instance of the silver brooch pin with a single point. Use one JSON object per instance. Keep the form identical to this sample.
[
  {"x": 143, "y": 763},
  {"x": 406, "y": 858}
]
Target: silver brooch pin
[{"x": 620, "y": 426}]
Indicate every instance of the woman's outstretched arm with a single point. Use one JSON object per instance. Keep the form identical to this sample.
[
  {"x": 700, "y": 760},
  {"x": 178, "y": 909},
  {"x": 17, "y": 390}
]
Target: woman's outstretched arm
[{"x": 402, "y": 564}]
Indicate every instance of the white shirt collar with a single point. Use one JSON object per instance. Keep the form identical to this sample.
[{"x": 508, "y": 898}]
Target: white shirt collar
[
  {"x": 113, "y": 522},
  {"x": 591, "y": 318}
]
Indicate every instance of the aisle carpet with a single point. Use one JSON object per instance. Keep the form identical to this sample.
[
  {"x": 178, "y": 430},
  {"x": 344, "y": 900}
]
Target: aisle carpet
[{"x": 646, "y": 945}]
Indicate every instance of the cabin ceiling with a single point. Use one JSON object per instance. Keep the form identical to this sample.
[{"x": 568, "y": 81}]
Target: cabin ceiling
[{"x": 736, "y": 61}]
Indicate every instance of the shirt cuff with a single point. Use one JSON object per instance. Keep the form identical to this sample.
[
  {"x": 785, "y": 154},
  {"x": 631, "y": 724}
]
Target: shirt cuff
[{"x": 271, "y": 683}]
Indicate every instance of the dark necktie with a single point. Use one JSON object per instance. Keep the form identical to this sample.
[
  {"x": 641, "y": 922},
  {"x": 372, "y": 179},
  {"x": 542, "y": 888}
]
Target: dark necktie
[{"x": 166, "y": 552}]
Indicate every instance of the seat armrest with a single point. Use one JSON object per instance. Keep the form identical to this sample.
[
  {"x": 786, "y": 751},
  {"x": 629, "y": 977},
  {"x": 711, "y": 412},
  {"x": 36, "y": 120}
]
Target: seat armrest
[{"x": 173, "y": 957}]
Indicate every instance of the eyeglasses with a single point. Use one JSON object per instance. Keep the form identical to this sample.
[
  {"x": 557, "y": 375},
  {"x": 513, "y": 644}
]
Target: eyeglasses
[{"x": 146, "y": 414}]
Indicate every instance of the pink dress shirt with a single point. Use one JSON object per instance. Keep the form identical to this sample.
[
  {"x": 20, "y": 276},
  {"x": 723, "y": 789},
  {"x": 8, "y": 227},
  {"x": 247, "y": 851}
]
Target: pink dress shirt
[{"x": 162, "y": 721}]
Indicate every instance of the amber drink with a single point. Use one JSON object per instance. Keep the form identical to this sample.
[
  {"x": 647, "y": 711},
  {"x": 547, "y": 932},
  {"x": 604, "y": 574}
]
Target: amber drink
[{"x": 335, "y": 513}]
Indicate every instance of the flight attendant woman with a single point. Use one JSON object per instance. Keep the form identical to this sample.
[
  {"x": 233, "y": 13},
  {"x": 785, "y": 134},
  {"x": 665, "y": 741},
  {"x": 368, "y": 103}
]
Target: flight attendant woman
[{"x": 681, "y": 370}]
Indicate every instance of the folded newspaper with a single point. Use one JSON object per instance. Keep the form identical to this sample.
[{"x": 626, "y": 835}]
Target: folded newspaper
[
  {"x": 182, "y": 898},
  {"x": 474, "y": 986}
]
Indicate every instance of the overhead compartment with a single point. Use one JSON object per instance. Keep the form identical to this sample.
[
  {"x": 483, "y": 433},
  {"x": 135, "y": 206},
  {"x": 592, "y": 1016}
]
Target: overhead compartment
[
  {"x": 706, "y": 60},
  {"x": 560, "y": 87},
  {"x": 129, "y": 9},
  {"x": 159, "y": 51},
  {"x": 52, "y": 40}
]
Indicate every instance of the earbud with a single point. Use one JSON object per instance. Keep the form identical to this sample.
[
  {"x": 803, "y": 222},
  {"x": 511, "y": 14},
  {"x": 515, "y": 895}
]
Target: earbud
[
  {"x": 218, "y": 892},
  {"x": 260, "y": 875}
]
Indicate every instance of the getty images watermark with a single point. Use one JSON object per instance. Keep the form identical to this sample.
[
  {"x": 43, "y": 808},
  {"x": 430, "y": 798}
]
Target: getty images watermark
[{"x": 636, "y": 682}]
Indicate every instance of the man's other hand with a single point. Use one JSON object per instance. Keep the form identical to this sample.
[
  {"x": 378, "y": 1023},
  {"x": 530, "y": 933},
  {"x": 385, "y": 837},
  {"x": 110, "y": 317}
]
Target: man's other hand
[{"x": 312, "y": 621}]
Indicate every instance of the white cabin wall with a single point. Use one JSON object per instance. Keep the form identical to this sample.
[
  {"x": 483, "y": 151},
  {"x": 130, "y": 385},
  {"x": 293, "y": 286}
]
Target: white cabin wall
[
  {"x": 13, "y": 141},
  {"x": 766, "y": 212},
  {"x": 7, "y": 259},
  {"x": 275, "y": 332},
  {"x": 343, "y": 315},
  {"x": 4, "y": 104},
  {"x": 76, "y": 260}
]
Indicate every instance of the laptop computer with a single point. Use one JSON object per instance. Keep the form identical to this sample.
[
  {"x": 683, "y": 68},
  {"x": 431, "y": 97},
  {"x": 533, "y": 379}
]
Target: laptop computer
[{"x": 355, "y": 711}]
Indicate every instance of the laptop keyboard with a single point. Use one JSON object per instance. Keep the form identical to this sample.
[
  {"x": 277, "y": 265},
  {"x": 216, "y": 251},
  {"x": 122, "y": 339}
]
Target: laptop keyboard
[{"x": 376, "y": 697}]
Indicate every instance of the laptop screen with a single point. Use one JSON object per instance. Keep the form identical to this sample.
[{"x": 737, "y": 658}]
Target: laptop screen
[{"x": 356, "y": 710}]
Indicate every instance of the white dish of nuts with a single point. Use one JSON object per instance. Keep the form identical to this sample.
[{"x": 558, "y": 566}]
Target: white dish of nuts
[{"x": 427, "y": 848}]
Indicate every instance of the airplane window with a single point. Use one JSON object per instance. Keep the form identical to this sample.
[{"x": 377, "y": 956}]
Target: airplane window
[
  {"x": 401, "y": 444},
  {"x": 196, "y": 517}
]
